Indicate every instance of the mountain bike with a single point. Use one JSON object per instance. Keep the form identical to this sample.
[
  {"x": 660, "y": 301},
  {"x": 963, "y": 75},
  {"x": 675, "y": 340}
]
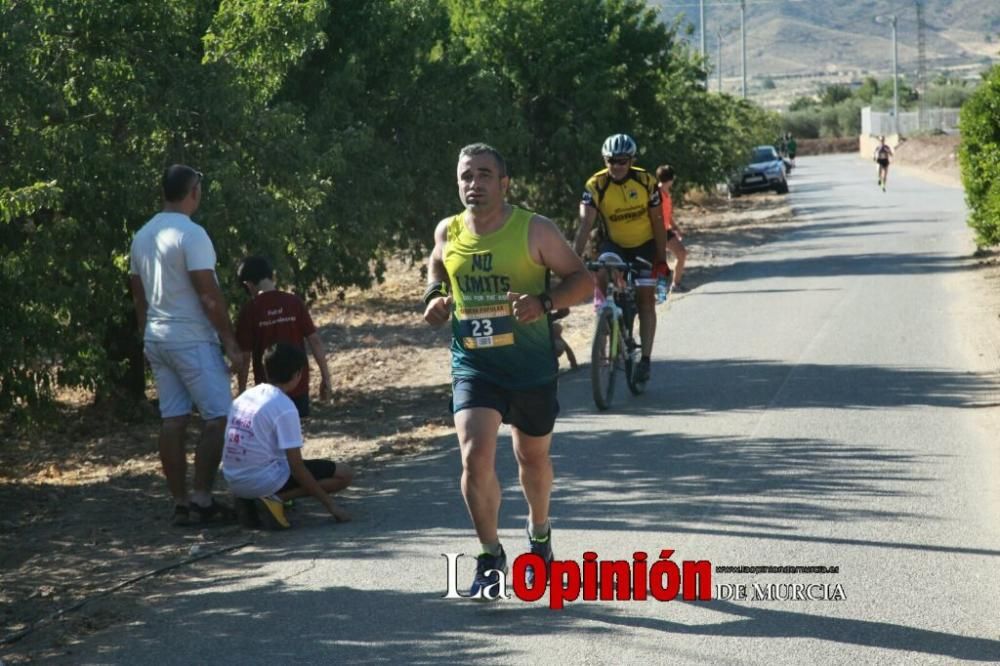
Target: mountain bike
[{"x": 615, "y": 348}]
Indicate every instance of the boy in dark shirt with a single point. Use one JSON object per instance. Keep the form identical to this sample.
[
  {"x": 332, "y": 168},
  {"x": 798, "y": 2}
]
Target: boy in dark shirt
[{"x": 272, "y": 316}]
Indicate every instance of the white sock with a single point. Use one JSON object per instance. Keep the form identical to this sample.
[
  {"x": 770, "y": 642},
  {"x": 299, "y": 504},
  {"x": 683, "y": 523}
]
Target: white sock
[
  {"x": 493, "y": 549},
  {"x": 540, "y": 531}
]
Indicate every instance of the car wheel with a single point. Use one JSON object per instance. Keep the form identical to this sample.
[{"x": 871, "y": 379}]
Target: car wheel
[{"x": 782, "y": 187}]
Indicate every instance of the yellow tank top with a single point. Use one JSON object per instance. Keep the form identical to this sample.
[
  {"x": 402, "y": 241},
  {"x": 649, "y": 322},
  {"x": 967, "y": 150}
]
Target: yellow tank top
[{"x": 487, "y": 342}]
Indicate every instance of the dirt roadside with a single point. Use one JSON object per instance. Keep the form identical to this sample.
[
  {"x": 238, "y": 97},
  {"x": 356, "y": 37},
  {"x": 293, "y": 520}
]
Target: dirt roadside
[{"x": 83, "y": 501}]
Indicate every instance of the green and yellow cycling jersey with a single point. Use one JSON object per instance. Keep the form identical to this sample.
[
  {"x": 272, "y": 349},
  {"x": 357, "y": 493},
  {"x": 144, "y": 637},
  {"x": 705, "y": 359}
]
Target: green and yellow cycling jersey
[
  {"x": 624, "y": 207},
  {"x": 487, "y": 342}
]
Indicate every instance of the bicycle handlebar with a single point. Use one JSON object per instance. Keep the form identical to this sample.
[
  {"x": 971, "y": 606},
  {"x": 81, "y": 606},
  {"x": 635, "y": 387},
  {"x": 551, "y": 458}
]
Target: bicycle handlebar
[{"x": 612, "y": 260}]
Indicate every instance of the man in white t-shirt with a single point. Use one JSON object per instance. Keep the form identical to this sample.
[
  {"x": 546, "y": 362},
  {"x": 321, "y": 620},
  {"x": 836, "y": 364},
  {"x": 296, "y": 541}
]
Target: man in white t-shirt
[
  {"x": 262, "y": 460},
  {"x": 182, "y": 315}
]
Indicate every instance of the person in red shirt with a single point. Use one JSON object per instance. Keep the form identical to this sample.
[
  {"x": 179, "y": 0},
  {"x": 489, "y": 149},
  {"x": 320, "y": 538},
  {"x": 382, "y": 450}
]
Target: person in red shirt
[
  {"x": 272, "y": 316},
  {"x": 665, "y": 176}
]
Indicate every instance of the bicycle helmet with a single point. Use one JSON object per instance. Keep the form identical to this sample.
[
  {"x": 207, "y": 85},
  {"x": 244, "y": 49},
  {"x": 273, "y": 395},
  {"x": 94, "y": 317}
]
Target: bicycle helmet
[{"x": 619, "y": 144}]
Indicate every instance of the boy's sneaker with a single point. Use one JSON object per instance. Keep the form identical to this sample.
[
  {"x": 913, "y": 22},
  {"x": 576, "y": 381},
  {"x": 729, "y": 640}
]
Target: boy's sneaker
[
  {"x": 543, "y": 548},
  {"x": 481, "y": 584},
  {"x": 246, "y": 513},
  {"x": 678, "y": 289},
  {"x": 274, "y": 513},
  {"x": 215, "y": 513}
]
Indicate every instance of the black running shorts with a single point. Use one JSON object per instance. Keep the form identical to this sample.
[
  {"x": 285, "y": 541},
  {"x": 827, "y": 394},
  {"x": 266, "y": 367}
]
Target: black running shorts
[{"x": 533, "y": 410}]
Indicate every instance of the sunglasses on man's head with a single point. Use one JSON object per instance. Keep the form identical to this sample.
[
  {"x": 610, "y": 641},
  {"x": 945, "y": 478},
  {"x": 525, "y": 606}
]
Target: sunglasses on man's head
[{"x": 619, "y": 161}]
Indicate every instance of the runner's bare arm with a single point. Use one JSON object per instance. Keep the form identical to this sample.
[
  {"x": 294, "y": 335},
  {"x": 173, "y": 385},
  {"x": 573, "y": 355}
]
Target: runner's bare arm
[
  {"x": 438, "y": 310},
  {"x": 587, "y": 216}
]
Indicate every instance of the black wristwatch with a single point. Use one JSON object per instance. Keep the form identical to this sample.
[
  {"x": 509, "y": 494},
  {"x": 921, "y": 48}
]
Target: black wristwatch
[{"x": 546, "y": 301}]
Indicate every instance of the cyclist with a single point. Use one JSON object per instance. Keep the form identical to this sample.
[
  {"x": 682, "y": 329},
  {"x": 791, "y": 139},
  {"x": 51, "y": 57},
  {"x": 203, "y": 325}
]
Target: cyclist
[
  {"x": 627, "y": 201},
  {"x": 883, "y": 153},
  {"x": 488, "y": 275},
  {"x": 675, "y": 241}
]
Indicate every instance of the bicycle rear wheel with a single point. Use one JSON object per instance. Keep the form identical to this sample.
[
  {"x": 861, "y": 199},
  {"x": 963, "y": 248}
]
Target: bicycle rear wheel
[{"x": 603, "y": 362}]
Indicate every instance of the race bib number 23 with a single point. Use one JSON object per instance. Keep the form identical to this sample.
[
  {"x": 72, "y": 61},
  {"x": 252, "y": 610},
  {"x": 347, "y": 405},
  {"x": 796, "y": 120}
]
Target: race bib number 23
[{"x": 486, "y": 326}]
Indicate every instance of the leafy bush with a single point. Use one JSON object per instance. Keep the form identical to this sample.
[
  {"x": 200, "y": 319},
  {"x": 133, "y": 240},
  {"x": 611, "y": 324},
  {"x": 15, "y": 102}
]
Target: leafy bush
[{"x": 979, "y": 157}]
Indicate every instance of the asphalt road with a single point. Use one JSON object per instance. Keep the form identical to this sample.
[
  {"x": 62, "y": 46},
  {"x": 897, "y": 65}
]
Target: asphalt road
[{"x": 831, "y": 400}]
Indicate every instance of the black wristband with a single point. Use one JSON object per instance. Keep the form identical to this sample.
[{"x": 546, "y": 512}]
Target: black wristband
[
  {"x": 546, "y": 301},
  {"x": 435, "y": 290}
]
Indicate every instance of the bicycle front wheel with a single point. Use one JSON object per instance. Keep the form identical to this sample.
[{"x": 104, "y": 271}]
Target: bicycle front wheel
[{"x": 603, "y": 357}]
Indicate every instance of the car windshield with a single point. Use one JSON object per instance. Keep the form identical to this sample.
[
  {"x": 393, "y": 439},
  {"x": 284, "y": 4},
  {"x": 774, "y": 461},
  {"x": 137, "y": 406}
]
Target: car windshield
[{"x": 763, "y": 155}]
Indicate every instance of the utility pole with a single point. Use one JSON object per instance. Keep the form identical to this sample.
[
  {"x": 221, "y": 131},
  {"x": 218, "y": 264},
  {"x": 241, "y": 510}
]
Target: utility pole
[
  {"x": 891, "y": 20},
  {"x": 701, "y": 23},
  {"x": 743, "y": 44},
  {"x": 921, "y": 66},
  {"x": 718, "y": 58}
]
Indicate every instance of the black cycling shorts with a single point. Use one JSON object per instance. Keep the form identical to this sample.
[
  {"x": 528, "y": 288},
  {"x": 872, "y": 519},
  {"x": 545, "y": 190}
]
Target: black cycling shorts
[
  {"x": 533, "y": 410},
  {"x": 628, "y": 254}
]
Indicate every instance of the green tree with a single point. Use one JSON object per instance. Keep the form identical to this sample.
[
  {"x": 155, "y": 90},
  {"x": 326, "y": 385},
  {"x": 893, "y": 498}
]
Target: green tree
[
  {"x": 802, "y": 103},
  {"x": 833, "y": 94},
  {"x": 979, "y": 157},
  {"x": 327, "y": 129}
]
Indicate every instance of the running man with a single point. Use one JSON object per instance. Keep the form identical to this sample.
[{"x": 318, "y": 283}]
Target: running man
[
  {"x": 627, "y": 200},
  {"x": 488, "y": 276},
  {"x": 883, "y": 153}
]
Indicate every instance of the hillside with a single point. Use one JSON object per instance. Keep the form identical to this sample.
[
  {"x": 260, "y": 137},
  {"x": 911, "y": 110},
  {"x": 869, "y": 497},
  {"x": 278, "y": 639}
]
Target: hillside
[{"x": 802, "y": 44}]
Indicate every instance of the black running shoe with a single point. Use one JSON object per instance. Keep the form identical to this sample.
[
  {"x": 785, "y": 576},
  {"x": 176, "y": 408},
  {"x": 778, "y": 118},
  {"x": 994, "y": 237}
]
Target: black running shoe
[
  {"x": 543, "y": 548},
  {"x": 642, "y": 371},
  {"x": 487, "y": 567}
]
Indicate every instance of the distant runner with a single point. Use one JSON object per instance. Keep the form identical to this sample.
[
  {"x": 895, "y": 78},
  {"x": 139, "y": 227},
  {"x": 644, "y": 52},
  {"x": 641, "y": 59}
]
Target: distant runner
[{"x": 883, "y": 153}]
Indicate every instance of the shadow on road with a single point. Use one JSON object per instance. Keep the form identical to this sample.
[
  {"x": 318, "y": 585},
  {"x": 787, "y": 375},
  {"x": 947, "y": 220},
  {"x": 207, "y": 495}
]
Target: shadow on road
[
  {"x": 757, "y": 622},
  {"x": 714, "y": 385}
]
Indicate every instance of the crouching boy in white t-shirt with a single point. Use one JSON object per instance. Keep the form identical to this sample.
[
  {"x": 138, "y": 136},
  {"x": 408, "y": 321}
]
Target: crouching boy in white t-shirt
[{"x": 262, "y": 460}]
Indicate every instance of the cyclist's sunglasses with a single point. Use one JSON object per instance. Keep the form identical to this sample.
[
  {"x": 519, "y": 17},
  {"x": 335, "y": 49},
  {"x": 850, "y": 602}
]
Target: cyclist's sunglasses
[{"x": 618, "y": 161}]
